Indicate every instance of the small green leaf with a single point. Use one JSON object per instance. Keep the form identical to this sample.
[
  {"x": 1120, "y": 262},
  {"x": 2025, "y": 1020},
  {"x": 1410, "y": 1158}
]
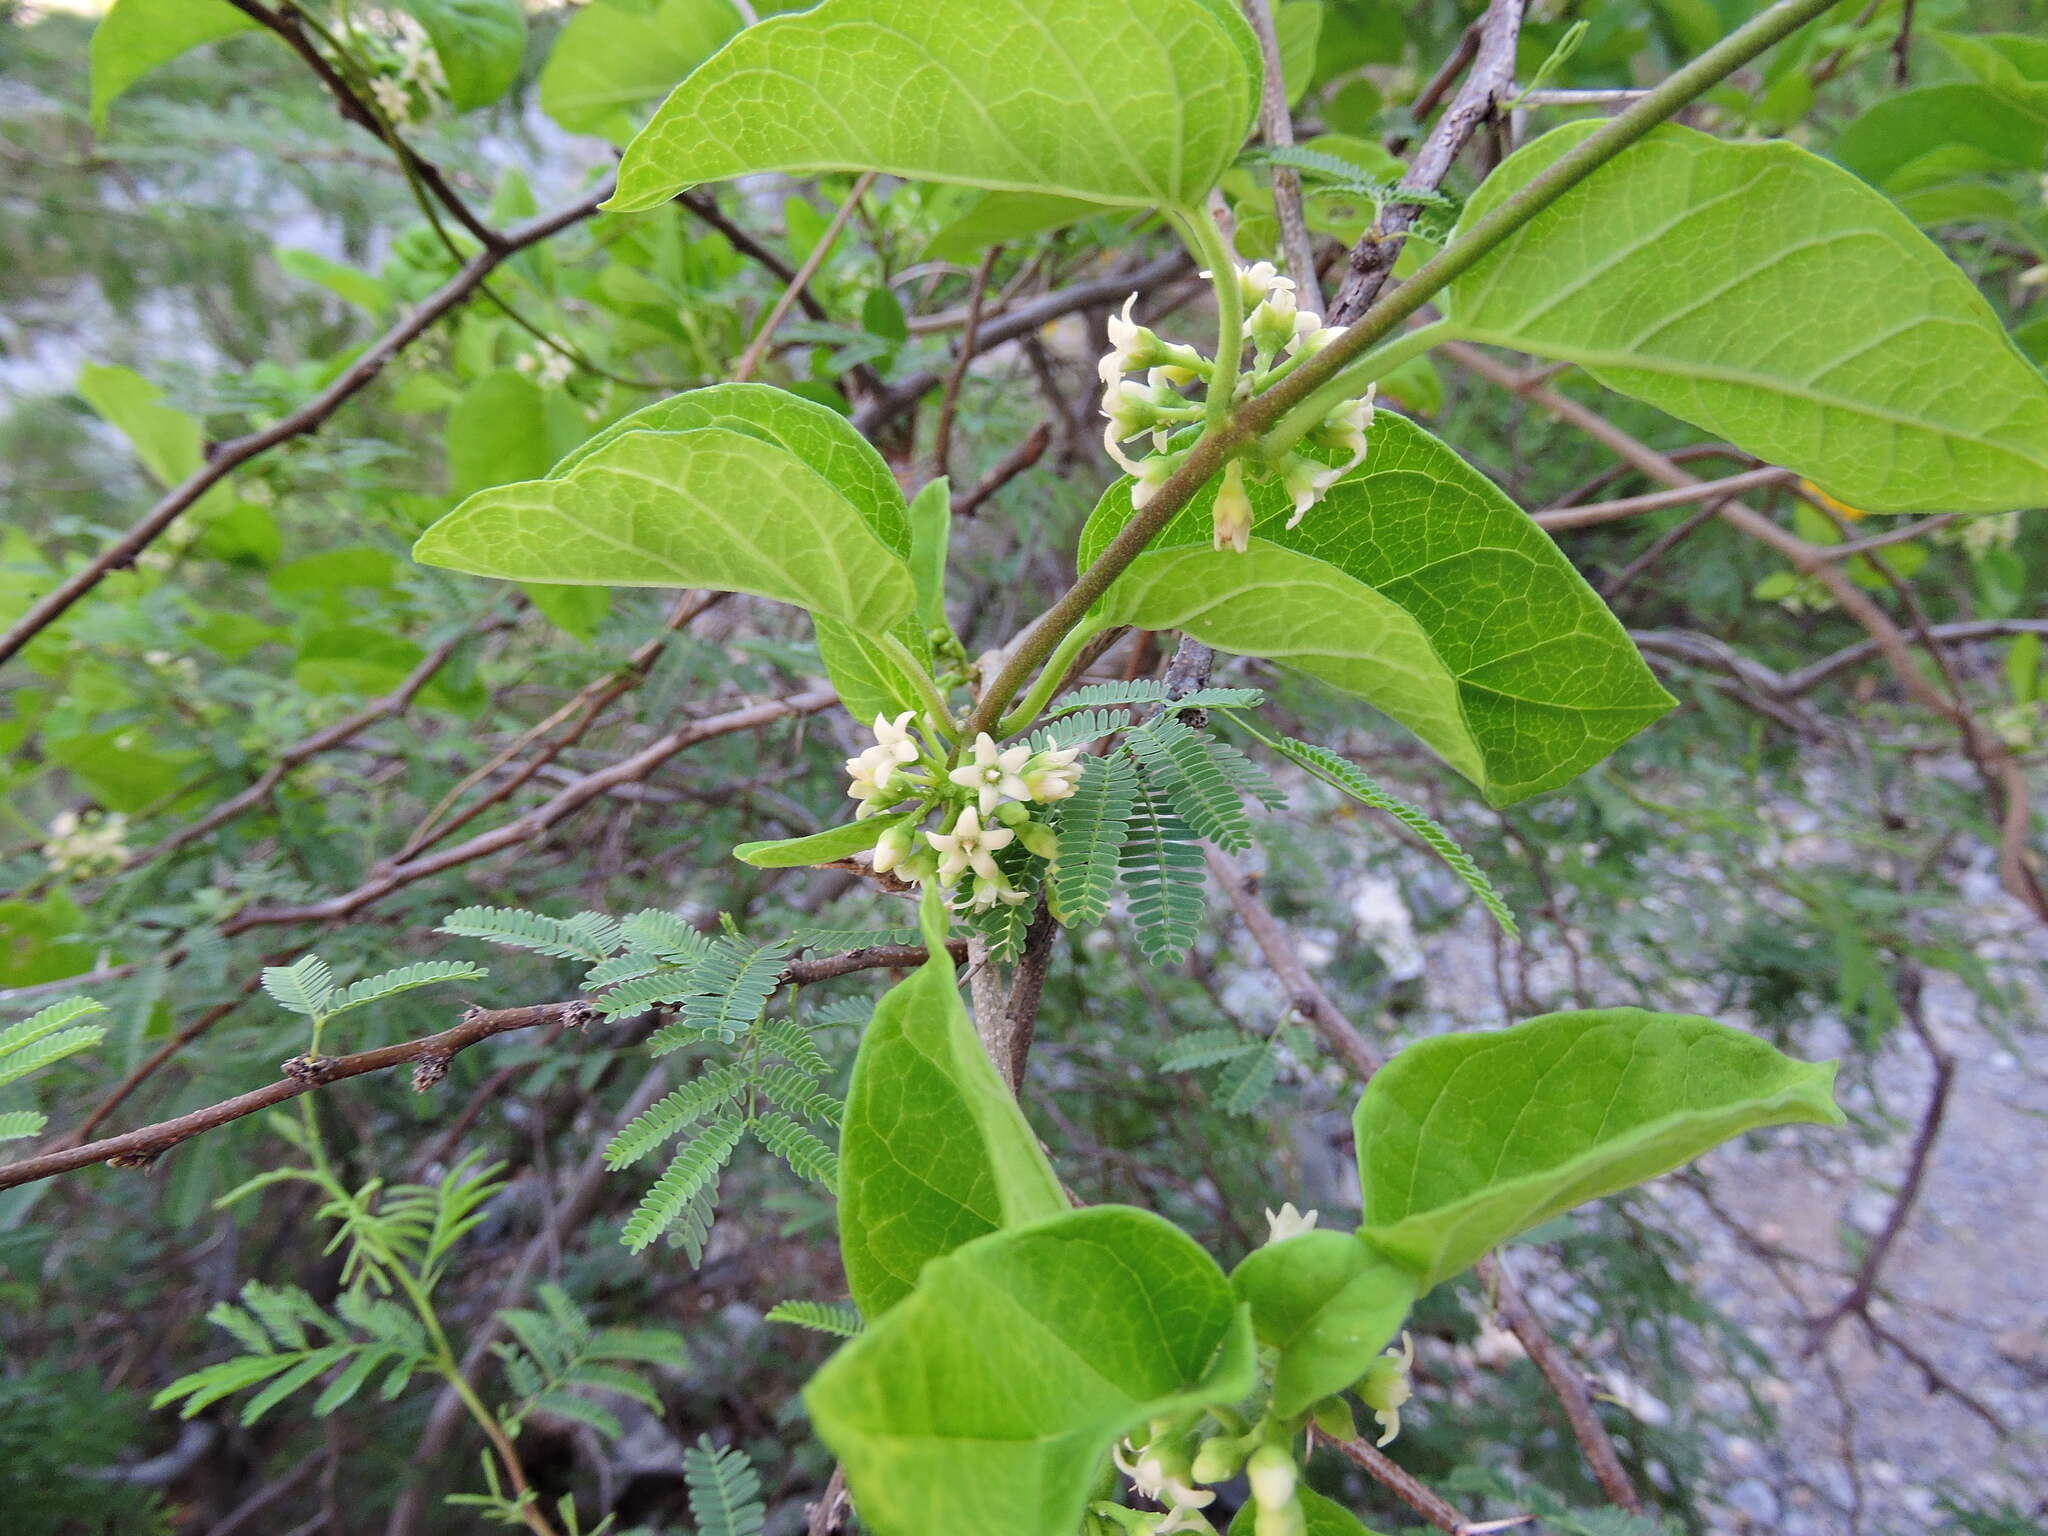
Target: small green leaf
[
  {"x": 135, "y": 36},
  {"x": 1375, "y": 594},
  {"x": 170, "y": 443},
  {"x": 480, "y": 44},
  {"x": 1465, "y": 1140},
  {"x": 347, "y": 283},
  {"x": 934, "y": 1151},
  {"x": 497, "y": 432},
  {"x": 996, "y": 218},
  {"x": 931, "y": 526},
  {"x": 988, "y": 1399},
  {"x": 1327, "y": 1302},
  {"x": 819, "y": 847},
  {"x": 614, "y": 56},
  {"x": 1938, "y": 132},
  {"x": 1126, "y": 102},
  {"x": 1772, "y": 299}
]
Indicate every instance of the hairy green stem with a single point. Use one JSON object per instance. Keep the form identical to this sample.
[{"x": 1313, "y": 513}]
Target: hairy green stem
[
  {"x": 921, "y": 680},
  {"x": 1209, "y": 245},
  {"x": 1049, "y": 677},
  {"x": 1231, "y": 437}
]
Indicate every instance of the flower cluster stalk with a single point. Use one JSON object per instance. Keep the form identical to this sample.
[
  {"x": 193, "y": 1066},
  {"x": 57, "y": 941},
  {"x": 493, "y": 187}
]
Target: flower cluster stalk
[{"x": 1234, "y": 432}]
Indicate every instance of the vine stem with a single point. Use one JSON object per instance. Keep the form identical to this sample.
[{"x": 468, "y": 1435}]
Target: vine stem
[{"x": 1236, "y": 432}]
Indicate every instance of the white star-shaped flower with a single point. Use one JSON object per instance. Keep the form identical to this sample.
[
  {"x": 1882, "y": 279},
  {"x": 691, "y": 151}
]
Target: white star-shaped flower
[
  {"x": 969, "y": 845},
  {"x": 994, "y": 776}
]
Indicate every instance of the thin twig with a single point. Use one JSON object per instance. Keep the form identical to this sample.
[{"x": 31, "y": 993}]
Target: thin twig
[
  {"x": 1406, "y": 1486},
  {"x": 1276, "y": 127},
  {"x": 231, "y": 455},
  {"x": 1491, "y": 77},
  {"x": 758, "y": 347},
  {"x": 1303, "y": 992},
  {"x": 1009, "y": 467},
  {"x": 949, "y": 403},
  {"x": 1567, "y": 1385}
]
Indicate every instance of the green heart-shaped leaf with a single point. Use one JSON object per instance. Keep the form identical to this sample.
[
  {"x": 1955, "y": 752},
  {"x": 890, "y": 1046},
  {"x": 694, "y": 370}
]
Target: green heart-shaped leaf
[
  {"x": 1418, "y": 586},
  {"x": 933, "y": 1151},
  {"x": 1125, "y": 102},
  {"x": 1773, "y": 299},
  {"x": 1327, "y": 1302},
  {"x": 1465, "y": 1140},
  {"x": 988, "y": 1399}
]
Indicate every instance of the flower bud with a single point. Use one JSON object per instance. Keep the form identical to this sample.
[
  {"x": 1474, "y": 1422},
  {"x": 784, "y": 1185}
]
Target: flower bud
[
  {"x": 1217, "y": 1459},
  {"x": 1385, "y": 1387},
  {"x": 1232, "y": 523},
  {"x": 1273, "y": 1475},
  {"x": 1334, "y": 1418},
  {"x": 1272, "y": 324},
  {"x": 896, "y": 845},
  {"x": 1038, "y": 838}
]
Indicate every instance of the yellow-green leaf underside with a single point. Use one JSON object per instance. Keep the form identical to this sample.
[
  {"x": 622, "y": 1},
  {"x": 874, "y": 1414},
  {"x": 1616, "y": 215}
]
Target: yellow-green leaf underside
[
  {"x": 1465, "y": 1140},
  {"x": 1773, "y": 299}
]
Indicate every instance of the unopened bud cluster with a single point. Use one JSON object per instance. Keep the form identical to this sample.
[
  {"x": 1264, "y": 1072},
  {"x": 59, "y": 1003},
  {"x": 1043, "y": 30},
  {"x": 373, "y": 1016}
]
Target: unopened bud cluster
[
  {"x": 1280, "y": 334},
  {"x": 987, "y": 799}
]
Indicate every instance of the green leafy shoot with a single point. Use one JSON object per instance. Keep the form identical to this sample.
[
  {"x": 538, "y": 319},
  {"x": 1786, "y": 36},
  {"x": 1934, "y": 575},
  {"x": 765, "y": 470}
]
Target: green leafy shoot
[
  {"x": 725, "y": 1491},
  {"x": 841, "y": 1319},
  {"x": 556, "y": 1359},
  {"x": 1348, "y": 778},
  {"x": 43, "y": 1039}
]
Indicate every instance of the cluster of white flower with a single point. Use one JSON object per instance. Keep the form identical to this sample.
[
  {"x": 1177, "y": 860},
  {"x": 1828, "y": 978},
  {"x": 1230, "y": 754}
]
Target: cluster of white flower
[
  {"x": 1281, "y": 334},
  {"x": 406, "y": 76},
  {"x": 86, "y": 845},
  {"x": 985, "y": 803},
  {"x": 1163, "y": 1473},
  {"x": 547, "y": 368}
]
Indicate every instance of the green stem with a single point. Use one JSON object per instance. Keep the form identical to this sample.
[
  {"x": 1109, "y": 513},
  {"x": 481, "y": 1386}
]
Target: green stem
[
  {"x": 1050, "y": 677},
  {"x": 1210, "y": 246},
  {"x": 1229, "y": 438},
  {"x": 1350, "y": 384},
  {"x": 921, "y": 680}
]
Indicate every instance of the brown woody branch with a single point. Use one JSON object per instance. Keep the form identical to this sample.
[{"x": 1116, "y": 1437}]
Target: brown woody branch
[
  {"x": 1491, "y": 76},
  {"x": 430, "y": 1054},
  {"x": 231, "y": 455}
]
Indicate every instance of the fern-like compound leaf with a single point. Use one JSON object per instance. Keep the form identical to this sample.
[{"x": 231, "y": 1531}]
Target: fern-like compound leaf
[
  {"x": 688, "y": 1174},
  {"x": 793, "y": 1043},
  {"x": 799, "y": 1093},
  {"x": 676, "y": 1112},
  {"x": 305, "y": 986},
  {"x": 664, "y": 935},
  {"x": 587, "y": 936},
  {"x": 1151, "y": 691},
  {"x": 37, "y": 1026},
  {"x": 49, "y": 1050},
  {"x": 841, "y": 1319},
  {"x": 735, "y": 983},
  {"x": 1176, "y": 759},
  {"x": 725, "y": 1491},
  {"x": 1342, "y": 774},
  {"x": 807, "y": 1156},
  {"x": 17, "y": 1123},
  {"x": 1163, "y": 877},
  {"x": 663, "y": 989},
  {"x": 1207, "y": 1048},
  {"x": 1080, "y": 730},
  {"x": 834, "y": 940},
  {"x": 1092, "y": 824},
  {"x": 406, "y": 978}
]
